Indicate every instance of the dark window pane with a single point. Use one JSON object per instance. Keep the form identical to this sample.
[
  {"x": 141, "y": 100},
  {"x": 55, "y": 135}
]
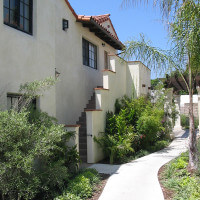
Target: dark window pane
[
  {"x": 26, "y": 11},
  {"x": 6, "y": 3},
  {"x": 26, "y": 25},
  {"x": 12, "y": 17},
  {"x": 27, "y": 1},
  {"x": 6, "y": 15},
  {"x": 21, "y": 9},
  {"x": 13, "y": 4},
  {"x": 21, "y": 23}
]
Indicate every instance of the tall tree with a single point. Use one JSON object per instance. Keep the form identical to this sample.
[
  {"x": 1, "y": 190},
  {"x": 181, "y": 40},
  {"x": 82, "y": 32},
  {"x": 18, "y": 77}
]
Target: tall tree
[{"x": 185, "y": 53}]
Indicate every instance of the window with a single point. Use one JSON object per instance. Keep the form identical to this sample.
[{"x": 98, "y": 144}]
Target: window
[
  {"x": 17, "y": 101},
  {"x": 89, "y": 54},
  {"x": 106, "y": 61},
  {"x": 18, "y": 14}
]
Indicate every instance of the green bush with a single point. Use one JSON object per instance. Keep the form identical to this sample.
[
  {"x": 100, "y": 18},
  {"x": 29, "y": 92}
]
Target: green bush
[
  {"x": 116, "y": 142},
  {"x": 68, "y": 196},
  {"x": 160, "y": 145},
  {"x": 80, "y": 186},
  {"x": 32, "y": 156},
  {"x": 137, "y": 124},
  {"x": 185, "y": 122},
  {"x": 149, "y": 126},
  {"x": 93, "y": 177}
]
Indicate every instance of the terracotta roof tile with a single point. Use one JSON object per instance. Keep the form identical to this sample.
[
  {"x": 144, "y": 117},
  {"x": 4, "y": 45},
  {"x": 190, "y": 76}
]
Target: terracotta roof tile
[{"x": 99, "y": 19}]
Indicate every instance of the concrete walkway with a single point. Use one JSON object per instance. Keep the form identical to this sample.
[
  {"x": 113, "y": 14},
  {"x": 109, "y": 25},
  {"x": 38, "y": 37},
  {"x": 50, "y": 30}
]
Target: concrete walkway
[{"x": 138, "y": 179}]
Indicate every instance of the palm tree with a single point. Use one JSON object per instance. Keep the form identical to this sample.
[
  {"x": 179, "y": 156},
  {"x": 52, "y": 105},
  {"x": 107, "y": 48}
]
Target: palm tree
[
  {"x": 167, "y": 7},
  {"x": 185, "y": 53}
]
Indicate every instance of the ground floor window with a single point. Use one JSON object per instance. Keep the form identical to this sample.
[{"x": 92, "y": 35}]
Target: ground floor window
[{"x": 17, "y": 101}]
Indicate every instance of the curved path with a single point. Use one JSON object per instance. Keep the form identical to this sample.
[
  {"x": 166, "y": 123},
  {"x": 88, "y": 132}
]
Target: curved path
[{"x": 138, "y": 180}]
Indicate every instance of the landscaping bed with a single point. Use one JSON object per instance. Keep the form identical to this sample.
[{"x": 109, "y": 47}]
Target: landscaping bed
[
  {"x": 99, "y": 188},
  {"x": 88, "y": 184},
  {"x": 176, "y": 182}
]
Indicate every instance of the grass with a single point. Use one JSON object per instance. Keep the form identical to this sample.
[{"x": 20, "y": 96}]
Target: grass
[{"x": 175, "y": 177}]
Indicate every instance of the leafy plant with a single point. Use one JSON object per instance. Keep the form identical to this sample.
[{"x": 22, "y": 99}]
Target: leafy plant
[
  {"x": 92, "y": 175},
  {"x": 27, "y": 156},
  {"x": 80, "y": 186},
  {"x": 149, "y": 126},
  {"x": 33, "y": 158},
  {"x": 68, "y": 196}
]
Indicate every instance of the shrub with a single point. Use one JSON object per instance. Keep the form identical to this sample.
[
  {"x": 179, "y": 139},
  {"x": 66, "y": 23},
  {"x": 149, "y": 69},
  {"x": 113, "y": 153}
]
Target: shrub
[
  {"x": 80, "y": 186},
  {"x": 149, "y": 126},
  {"x": 92, "y": 176},
  {"x": 116, "y": 142},
  {"x": 159, "y": 145},
  {"x": 186, "y": 123},
  {"x": 68, "y": 196},
  {"x": 28, "y": 155}
]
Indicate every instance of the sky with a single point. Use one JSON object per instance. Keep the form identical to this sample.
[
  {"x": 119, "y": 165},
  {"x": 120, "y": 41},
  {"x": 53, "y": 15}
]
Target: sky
[{"x": 128, "y": 22}]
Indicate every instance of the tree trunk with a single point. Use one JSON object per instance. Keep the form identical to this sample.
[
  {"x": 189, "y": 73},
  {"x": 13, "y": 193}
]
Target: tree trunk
[{"x": 193, "y": 153}]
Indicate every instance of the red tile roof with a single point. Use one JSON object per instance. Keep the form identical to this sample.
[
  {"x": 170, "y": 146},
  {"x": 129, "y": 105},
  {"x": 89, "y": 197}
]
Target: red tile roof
[
  {"x": 102, "y": 18},
  {"x": 99, "y": 19}
]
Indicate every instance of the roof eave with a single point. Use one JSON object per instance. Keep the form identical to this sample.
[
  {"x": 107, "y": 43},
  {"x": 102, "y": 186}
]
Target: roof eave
[{"x": 100, "y": 32}]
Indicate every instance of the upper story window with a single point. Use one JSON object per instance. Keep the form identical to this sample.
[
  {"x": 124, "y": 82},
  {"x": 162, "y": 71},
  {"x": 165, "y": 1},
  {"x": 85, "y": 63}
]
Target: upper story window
[
  {"x": 18, "y": 14},
  {"x": 106, "y": 60},
  {"x": 89, "y": 54}
]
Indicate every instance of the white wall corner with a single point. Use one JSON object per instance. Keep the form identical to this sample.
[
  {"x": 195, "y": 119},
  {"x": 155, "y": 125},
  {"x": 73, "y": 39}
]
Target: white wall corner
[
  {"x": 90, "y": 142},
  {"x": 106, "y": 80},
  {"x": 98, "y": 99},
  {"x": 112, "y": 63},
  {"x": 74, "y": 140}
]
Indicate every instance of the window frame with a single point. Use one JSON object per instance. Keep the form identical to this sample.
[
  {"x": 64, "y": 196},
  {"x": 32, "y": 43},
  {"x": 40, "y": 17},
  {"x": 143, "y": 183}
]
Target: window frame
[
  {"x": 29, "y": 19},
  {"x": 89, "y": 54},
  {"x": 17, "y": 97}
]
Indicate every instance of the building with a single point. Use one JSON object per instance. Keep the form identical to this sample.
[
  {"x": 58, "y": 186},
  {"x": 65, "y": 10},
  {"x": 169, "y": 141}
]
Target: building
[{"x": 41, "y": 38}]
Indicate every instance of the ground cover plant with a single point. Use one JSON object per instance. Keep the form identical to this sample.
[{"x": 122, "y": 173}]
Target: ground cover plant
[
  {"x": 137, "y": 128},
  {"x": 175, "y": 177},
  {"x": 81, "y": 186}
]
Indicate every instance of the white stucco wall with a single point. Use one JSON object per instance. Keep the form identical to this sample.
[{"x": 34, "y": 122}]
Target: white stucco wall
[
  {"x": 108, "y": 26},
  {"x": 116, "y": 84},
  {"x": 140, "y": 74},
  {"x": 185, "y": 99},
  {"x": 76, "y": 81},
  {"x": 25, "y": 58}
]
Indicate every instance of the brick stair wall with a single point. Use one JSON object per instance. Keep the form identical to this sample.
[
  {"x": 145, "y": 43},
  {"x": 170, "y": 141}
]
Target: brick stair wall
[{"x": 83, "y": 130}]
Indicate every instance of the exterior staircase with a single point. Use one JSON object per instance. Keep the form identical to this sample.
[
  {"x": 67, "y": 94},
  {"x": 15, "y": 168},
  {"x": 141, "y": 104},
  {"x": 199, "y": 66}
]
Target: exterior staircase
[{"x": 83, "y": 129}]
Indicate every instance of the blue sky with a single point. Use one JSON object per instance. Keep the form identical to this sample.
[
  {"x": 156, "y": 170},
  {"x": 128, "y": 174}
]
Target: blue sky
[{"x": 128, "y": 22}]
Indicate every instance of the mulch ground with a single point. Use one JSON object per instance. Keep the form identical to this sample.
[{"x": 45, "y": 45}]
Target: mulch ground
[
  {"x": 100, "y": 187},
  {"x": 168, "y": 194}
]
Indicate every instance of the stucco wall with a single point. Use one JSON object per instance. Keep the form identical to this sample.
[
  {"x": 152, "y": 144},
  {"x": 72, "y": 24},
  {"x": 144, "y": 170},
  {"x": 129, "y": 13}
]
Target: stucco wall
[
  {"x": 140, "y": 75},
  {"x": 26, "y": 57},
  {"x": 116, "y": 84},
  {"x": 76, "y": 81}
]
